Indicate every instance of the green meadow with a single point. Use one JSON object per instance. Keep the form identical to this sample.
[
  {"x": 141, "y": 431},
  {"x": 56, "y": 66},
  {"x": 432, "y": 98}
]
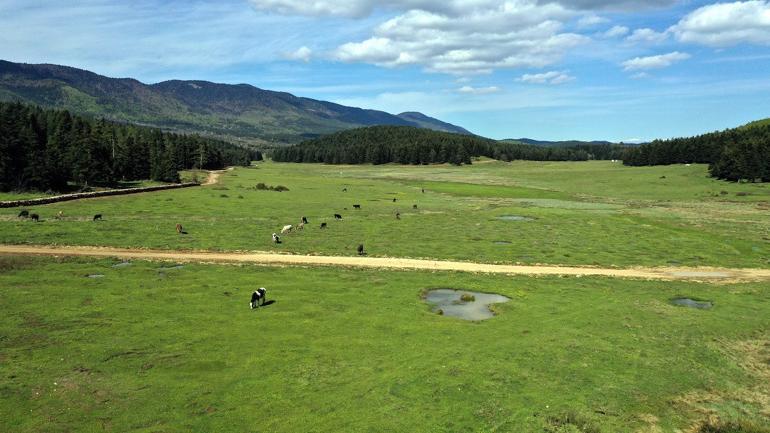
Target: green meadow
[
  {"x": 153, "y": 348},
  {"x": 585, "y": 213}
]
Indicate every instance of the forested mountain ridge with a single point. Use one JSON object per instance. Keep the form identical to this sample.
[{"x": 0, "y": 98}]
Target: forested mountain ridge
[
  {"x": 741, "y": 153},
  {"x": 409, "y": 145},
  {"x": 239, "y": 112},
  {"x": 52, "y": 150},
  {"x": 565, "y": 143}
]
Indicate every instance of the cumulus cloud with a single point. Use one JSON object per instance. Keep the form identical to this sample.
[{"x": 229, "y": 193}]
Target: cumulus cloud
[
  {"x": 551, "y": 77},
  {"x": 654, "y": 62},
  {"x": 646, "y": 36},
  {"x": 591, "y": 20},
  {"x": 725, "y": 24},
  {"x": 615, "y": 5},
  {"x": 514, "y": 34},
  {"x": 478, "y": 90},
  {"x": 616, "y": 31},
  {"x": 303, "y": 53}
]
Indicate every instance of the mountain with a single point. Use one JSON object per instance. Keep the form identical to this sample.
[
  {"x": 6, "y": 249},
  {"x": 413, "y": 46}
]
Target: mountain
[
  {"x": 568, "y": 143},
  {"x": 238, "y": 112}
]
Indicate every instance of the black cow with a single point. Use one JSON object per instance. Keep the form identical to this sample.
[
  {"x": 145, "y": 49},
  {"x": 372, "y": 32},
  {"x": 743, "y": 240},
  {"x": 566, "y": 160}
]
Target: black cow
[
  {"x": 304, "y": 220},
  {"x": 414, "y": 206},
  {"x": 394, "y": 199},
  {"x": 398, "y": 215},
  {"x": 344, "y": 190},
  {"x": 258, "y": 294},
  {"x": 98, "y": 217},
  {"x": 24, "y": 214},
  {"x": 356, "y": 206},
  {"x": 360, "y": 249},
  {"x": 337, "y": 216},
  {"x": 34, "y": 217},
  {"x": 323, "y": 225}
]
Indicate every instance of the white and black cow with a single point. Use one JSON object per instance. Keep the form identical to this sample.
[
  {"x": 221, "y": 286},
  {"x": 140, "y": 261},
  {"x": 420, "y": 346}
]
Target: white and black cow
[{"x": 258, "y": 294}]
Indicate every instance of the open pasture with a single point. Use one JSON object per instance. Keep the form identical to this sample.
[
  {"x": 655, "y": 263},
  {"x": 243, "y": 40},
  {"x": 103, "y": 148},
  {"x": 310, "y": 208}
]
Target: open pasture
[
  {"x": 591, "y": 213},
  {"x": 152, "y": 347}
]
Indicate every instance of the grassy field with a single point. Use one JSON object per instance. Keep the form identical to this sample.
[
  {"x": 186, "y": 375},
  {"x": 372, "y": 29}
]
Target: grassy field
[
  {"x": 592, "y": 213},
  {"x": 147, "y": 349}
]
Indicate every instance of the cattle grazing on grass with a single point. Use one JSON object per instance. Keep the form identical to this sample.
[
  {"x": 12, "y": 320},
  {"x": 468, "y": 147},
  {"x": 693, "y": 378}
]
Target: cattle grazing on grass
[
  {"x": 323, "y": 225},
  {"x": 180, "y": 230},
  {"x": 304, "y": 220},
  {"x": 259, "y": 294},
  {"x": 97, "y": 217},
  {"x": 34, "y": 217},
  {"x": 398, "y": 215},
  {"x": 394, "y": 199},
  {"x": 24, "y": 214},
  {"x": 344, "y": 190},
  {"x": 276, "y": 239},
  {"x": 423, "y": 190},
  {"x": 414, "y": 206},
  {"x": 300, "y": 226},
  {"x": 286, "y": 229},
  {"x": 356, "y": 206},
  {"x": 337, "y": 216},
  {"x": 360, "y": 249}
]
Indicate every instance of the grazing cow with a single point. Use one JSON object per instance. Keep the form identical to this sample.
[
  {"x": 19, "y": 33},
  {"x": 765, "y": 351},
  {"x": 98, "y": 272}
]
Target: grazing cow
[
  {"x": 398, "y": 215},
  {"x": 24, "y": 214},
  {"x": 34, "y": 217},
  {"x": 344, "y": 190},
  {"x": 423, "y": 190},
  {"x": 414, "y": 206},
  {"x": 323, "y": 225},
  {"x": 300, "y": 226},
  {"x": 286, "y": 229},
  {"x": 337, "y": 216},
  {"x": 258, "y": 294},
  {"x": 179, "y": 229},
  {"x": 304, "y": 220},
  {"x": 394, "y": 199},
  {"x": 360, "y": 249},
  {"x": 356, "y": 206},
  {"x": 97, "y": 217},
  {"x": 276, "y": 239}
]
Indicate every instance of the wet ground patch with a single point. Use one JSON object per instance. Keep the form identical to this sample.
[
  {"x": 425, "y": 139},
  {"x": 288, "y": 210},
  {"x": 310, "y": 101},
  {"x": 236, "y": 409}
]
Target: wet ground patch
[
  {"x": 463, "y": 304},
  {"x": 691, "y": 303}
]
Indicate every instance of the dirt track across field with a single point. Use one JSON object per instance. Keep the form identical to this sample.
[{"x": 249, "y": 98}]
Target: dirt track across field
[{"x": 266, "y": 258}]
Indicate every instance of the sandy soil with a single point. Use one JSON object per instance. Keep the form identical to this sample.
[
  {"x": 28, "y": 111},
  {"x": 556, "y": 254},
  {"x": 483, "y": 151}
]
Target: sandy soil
[
  {"x": 267, "y": 258},
  {"x": 213, "y": 177}
]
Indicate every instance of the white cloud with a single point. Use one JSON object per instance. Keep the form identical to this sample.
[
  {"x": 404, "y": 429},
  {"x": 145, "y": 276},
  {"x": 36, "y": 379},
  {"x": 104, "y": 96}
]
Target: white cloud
[
  {"x": 591, "y": 20},
  {"x": 654, "y": 62},
  {"x": 616, "y": 31},
  {"x": 303, "y": 53},
  {"x": 552, "y": 77},
  {"x": 486, "y": 36},
  {"x": 478, "y": 90},
  {"x": 725, "y": 24},
  {"x": 647, "y": 36}
]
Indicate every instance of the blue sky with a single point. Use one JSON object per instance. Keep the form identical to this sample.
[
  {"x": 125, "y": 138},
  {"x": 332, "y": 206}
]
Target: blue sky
[{"x": 547, "y": 69}]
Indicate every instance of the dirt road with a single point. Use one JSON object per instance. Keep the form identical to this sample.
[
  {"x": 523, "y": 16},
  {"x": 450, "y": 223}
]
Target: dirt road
[
  {"x": 213, "y": 176},
  {"x": 266, "y": 258}
]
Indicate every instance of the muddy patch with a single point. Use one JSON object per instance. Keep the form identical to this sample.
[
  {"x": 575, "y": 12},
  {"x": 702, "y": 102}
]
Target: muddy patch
[
  {"x": 692, "y": 303},
  {"x": 463, "y": 304},
  {"x": 514, "y": 218}
]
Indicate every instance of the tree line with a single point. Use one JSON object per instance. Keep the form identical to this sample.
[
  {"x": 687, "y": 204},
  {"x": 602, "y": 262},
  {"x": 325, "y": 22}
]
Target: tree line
[
  {"x": 408, "y": 145},
  {"x": 734, "y": 154},
  {"x": 52, "y": 150}
]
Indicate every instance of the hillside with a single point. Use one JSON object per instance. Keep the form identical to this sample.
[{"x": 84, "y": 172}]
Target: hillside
[
  {"x": 239, "y": 112},
  {"x": 410, "y": 145},
  {"x": 545, "y": 143}
]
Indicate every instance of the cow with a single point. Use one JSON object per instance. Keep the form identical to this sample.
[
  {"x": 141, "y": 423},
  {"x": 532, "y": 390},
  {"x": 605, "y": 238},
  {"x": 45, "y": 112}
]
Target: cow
[
  {"x": 337, "y": 216},
  {"x": 276, "y": 239},
  {"x": 414, "y": 206},
  {"x": 304, "y": 220},
  {"x": 258, "y": 294},
  {"x": 394, "y": 199},
  {"x": 300, "y": 226},
  {"x": 398, "y": 215},
  {"x": 344, "y": 190},
  {"x": 286, "y": 229},
  {"x": 34, "y": 217},
  {"x": 97, "y": 217},
  {"x": 360, "y": 249},
  {"x": 323, "y": 225},
  {"x": 423, "y": 190},
  {"x": 356, "y": 206},
  {"x": 180, "y": 230},
  {"x": 24, "y": 214}
]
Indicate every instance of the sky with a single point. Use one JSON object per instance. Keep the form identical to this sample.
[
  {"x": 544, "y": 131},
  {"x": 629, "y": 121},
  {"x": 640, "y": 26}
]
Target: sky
[{"x": 620, "y": 70}]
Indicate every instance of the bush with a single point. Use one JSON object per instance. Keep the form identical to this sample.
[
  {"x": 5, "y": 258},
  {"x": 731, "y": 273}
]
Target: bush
[{"x": 466, "y": 297}]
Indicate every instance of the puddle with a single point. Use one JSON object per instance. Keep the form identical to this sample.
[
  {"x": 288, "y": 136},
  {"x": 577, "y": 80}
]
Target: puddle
[
  {"x": 502, "y": 243},
  {"x": 514, "y": 218},
  {"x": 121, "y": 265},
  {"x": 96, "y": 276},
  {"x": 450, "y": 303},
  {"x": 169, "y": 268},
  {"x": 692, "y": 303}
]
